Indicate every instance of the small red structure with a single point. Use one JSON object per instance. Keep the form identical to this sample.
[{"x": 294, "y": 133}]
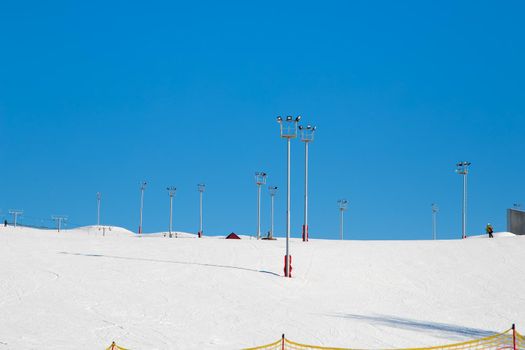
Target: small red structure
[{"x": 232, "y": 236}]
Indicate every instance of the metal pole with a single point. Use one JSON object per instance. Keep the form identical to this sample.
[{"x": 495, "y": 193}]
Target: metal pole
[
  {"x": 258, "y": 211},
  {"x": 141, "y": 207},
  {"x": 464, "y": 223},
  {"x": 433, "y": 224},
  {"x": 305, "y": 225},
  {"x": 271, "y": 228},
  {"x": 200, "y": 221},
  {"x": 342, "y": 211},
  {"x": 171, "y": 214},
  {"x": 288, "y": 211}
]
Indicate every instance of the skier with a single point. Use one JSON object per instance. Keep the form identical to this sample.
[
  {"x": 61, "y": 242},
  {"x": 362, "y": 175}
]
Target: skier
[
  {"x": 489, "y": 230},
  {"x": 5, "y": 223}
]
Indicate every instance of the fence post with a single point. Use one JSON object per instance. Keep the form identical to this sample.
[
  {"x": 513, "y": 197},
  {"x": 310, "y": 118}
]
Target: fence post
[
  {"x": 514, "y": 336},
  {"x": 282, "y": 342}
]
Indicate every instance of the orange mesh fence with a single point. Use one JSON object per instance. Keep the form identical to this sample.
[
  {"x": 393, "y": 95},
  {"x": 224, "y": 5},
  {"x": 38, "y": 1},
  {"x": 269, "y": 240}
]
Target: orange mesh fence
[
  {"x": 509, "y": 340},
  {"x": 114, "y": 346}
]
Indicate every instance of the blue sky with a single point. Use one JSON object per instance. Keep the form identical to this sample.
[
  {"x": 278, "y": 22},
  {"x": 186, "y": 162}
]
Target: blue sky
[{"x": 98, "y": 96}]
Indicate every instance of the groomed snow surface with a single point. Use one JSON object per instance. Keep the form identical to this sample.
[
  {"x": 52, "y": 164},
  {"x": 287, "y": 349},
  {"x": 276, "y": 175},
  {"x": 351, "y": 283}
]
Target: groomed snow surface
[{"x": 78, "y": 289}]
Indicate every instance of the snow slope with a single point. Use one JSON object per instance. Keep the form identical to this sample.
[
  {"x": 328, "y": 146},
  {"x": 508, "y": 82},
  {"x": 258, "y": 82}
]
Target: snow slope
[{"x": 81, "y": 290}]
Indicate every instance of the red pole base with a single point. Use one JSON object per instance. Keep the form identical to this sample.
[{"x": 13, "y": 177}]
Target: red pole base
[
  {"x": 140, "y": 230},
  {"x": 305, "y": 233},
  {"x": 199, "y": 234},
  {"x": 286, "y": 262}
]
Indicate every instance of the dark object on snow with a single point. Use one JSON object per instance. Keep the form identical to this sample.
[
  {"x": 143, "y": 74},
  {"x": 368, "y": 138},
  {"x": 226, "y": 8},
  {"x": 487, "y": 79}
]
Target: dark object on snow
[
  {"x": 232, "y": 236},
  {"x": 489, "y": 230},
  {"x": 5, "y": 223}
]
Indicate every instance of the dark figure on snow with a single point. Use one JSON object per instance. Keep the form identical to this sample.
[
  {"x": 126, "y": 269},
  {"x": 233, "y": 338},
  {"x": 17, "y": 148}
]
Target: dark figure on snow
[
  {"x": 5, "y": 223},
  {"x": 489, "y": 230}
]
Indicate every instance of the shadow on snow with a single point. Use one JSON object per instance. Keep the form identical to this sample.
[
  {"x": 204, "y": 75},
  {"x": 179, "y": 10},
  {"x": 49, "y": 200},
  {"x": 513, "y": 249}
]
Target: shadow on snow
[
  {"x": 443, "y": 330},
  {"x": 170, "y": 262}
]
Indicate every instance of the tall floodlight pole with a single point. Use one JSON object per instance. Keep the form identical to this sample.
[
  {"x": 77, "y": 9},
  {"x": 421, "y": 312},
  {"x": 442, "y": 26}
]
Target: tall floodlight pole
[
  {"x": 462, "y": 169},
  {"x": 435, "y": 210},
  {"x": 99, "y": 197},
  {"x": 15, "y": 214},
  {"x": 200, "y": 188},
  {"x": 260, "y": 179},
  {"x": 59, "y": 219},
  {"x": 273, "y": 191},
  {"x": 142, "y": 188},
  {"x": 343, "y": 205},
  {"x": 288, "y": 132},
  {"x": 307, "y": 136},
  {"x": 171, "y": 191}
]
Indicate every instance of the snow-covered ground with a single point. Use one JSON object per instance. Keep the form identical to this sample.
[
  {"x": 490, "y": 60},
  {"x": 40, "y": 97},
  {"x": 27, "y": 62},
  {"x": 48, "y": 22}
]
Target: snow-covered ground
[{"x": 79, "y": 289}]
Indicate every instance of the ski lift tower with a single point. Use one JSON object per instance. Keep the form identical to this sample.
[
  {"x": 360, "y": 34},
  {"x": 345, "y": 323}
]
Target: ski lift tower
[
  {"x": 16, "y": 213},
  {"x": 260, "y": 179},
  {"x": 200, "y": 188},
  {"x": 171, "y": 192},
  {"x": 59, "y": 219},
  {"x": 435, "y": 210},
  {"x": 99, "y": 197},
  {"x": 307, "y": 136},
  {"x": 343, "y": 205},
  {"x": 462, "y": 169},
  {"x": 288, "y": 131}
]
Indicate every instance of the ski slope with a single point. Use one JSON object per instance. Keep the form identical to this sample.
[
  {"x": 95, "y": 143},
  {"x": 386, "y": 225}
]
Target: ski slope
[{"x": 78, "y": 289}]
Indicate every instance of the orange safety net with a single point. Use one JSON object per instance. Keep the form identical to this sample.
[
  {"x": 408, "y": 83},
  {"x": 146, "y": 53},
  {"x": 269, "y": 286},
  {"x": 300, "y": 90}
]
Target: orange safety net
[{"x": 509, "y": 340}]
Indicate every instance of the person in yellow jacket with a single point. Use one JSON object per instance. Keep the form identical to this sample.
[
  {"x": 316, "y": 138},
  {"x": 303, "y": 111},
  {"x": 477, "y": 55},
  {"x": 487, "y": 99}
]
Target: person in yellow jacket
[{"x": 489, "y": 230}]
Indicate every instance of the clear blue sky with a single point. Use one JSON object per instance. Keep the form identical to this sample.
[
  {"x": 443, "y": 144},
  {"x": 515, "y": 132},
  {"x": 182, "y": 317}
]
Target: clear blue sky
[{"x": 97, "y": 96}]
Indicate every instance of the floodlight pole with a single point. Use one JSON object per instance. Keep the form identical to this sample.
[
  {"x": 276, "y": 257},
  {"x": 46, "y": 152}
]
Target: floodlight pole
[
  {"x": 273, "y": 191},
  {"x": 288, "y": 131},
  {"x": 260, "y": 179},
  {"x": 200, "y": 188},
  {"x": 99, "y": 197},
  {"x": 343, "y": 203},
  {"x": 15, "y": 214},
  {"x": 462, "y": 169},
  {"x": 171, "y": 191},
  {"x": 307, "y": 136},
  {"x": 435, "y": 210},
  {"x": 142, "y": 188}
]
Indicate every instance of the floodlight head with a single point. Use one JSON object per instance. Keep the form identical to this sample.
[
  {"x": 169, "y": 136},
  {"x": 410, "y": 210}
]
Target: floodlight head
[
  {"x": 298, "y": 118},
  {"x": 272, "y": 190},
  {"x": 201, "y": 187},
  {"x": 279, "y": 119},
  {"x": 462, "y": 167},
  {"x": 260, "y": 178},
  {"x": 288, "y": 127},
  {"x": 307, "y": 133},
  {"x": 300, "y": 127},
  {"x": 343, "y": 204}
]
